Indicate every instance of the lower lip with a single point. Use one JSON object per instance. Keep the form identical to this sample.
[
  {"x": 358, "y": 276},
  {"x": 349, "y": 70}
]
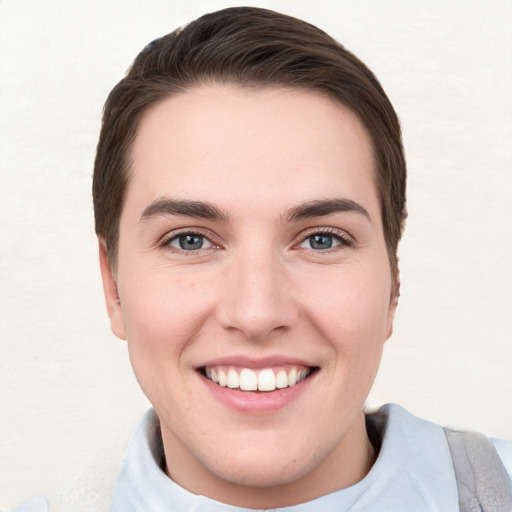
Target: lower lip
[{"x": 258, "y": 402}]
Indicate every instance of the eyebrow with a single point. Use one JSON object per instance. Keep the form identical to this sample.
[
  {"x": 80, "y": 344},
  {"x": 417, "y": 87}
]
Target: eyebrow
[
  {"x": 199, "y": 209},
  {"x": 206, "y": 210},
  {"x": 321, "y": 207}
]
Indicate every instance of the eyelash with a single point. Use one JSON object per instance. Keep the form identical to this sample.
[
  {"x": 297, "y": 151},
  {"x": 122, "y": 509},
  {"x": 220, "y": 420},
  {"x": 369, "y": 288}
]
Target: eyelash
[
  {"x": 343, "y": 239},
  {"x": 166, "y": 241}
]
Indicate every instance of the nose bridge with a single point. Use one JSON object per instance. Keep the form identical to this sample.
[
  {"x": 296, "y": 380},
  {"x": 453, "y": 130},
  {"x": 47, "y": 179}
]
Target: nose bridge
[{"x": 257, "y": 300}]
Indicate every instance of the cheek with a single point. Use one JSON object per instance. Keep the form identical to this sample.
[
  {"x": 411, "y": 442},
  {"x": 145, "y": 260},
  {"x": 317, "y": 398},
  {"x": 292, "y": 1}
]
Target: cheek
[
  {"x": 353, "y": 315},
  {"x": 163, "y": 315}
]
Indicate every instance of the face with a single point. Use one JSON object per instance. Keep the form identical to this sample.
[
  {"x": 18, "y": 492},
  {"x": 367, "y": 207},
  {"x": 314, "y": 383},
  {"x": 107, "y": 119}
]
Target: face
[{"x": 254, "y": 289}]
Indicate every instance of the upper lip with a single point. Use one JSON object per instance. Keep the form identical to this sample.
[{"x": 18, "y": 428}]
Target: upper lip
[{"x": 256, "y": 362}]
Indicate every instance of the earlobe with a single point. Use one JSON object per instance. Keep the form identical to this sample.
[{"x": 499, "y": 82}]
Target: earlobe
[{"x": 111, "y": 293}]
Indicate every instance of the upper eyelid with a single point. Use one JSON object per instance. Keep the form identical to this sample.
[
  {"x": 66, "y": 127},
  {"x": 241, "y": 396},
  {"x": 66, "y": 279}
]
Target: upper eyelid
[
  {"x": 171, "y": 235},
  {"x": 341, "y": 233}
]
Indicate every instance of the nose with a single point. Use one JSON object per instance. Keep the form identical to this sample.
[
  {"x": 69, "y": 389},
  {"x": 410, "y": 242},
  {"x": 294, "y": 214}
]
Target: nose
[{"x": 257, "y": 297}]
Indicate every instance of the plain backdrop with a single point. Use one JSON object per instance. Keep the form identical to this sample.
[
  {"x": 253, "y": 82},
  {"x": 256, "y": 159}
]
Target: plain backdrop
[{"x": 68, "y": 399}]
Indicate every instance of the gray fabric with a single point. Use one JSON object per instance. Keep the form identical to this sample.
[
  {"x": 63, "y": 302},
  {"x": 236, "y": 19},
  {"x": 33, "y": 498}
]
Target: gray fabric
[{"x": 482, "y": 479}]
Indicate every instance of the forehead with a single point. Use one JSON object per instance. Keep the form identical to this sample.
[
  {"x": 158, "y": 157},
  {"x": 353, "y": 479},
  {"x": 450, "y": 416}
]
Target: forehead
[{"x": 221, "y": 143}]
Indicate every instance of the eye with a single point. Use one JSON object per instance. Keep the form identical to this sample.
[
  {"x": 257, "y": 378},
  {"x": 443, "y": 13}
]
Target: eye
[
  {"x": 189, "y": 242},
  {"x": 322, "y": 241}
]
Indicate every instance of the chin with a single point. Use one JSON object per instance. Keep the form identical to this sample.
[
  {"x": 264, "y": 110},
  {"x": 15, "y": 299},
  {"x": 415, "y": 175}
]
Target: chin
[
  {"x": 263, "y": 469},
  {"x": 260, "y": 478}
]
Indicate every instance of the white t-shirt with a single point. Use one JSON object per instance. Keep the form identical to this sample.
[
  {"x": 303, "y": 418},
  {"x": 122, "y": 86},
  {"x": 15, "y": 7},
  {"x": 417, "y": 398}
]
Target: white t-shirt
[{"x": 413, "y": 472}]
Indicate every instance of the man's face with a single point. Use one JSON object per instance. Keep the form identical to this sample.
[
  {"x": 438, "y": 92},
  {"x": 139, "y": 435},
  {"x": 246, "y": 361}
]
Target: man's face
[{"x": 251, "y": 252}]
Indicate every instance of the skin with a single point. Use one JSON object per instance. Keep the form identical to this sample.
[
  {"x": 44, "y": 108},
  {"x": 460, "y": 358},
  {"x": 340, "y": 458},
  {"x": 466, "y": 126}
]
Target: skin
[{"x": 257, "y": 289}]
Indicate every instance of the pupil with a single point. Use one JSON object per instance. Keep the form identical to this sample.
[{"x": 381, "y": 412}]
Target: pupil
[
  {"x": 320, "y": 241},
  {"x": 191, "y": 242}
]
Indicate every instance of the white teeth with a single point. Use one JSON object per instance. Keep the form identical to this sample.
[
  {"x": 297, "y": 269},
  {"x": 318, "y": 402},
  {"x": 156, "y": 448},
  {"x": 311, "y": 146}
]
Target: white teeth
[
  {"x": 292, "y": 377},
  {"x": 281, "y": 379},
  {"x": 223, "y": 379},
  {"x": 233, "y": 379},
  {"x": 262, "y": 380},
  {"x": 248, "y": 380},
  {"x": 266, "y": 380}
]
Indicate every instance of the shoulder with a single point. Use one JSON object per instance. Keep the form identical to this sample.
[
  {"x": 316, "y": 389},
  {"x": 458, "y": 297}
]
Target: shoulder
[
  {"x": 471, "y": 463},
  {"x": 392, "y": 419}
]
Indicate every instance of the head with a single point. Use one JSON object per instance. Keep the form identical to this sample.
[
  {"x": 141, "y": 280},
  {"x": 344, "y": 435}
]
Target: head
[
  {"x": 249, "y": 199},
  {"x": 250, "y": 48}
]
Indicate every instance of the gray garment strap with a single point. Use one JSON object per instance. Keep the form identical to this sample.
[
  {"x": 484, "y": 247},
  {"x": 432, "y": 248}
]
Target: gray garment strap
[{"x": 482, "y": 480}]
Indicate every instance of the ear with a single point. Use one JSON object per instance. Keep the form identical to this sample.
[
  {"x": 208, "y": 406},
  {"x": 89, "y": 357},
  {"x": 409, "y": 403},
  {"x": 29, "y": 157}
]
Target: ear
[
  {"x": 111, "y": 294},
  {"x": 393, "y": 301}
]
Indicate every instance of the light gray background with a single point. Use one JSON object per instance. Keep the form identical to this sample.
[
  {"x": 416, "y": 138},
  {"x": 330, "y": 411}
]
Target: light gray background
[{"x": 67, "y": 395}]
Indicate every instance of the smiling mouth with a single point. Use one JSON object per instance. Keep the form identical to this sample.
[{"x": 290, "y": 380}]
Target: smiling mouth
[{"x": 247, "y": 379}]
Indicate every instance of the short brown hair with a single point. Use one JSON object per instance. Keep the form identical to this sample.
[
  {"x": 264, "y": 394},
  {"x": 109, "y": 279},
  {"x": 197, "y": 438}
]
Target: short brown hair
[{"x": 249, "y": 47}]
